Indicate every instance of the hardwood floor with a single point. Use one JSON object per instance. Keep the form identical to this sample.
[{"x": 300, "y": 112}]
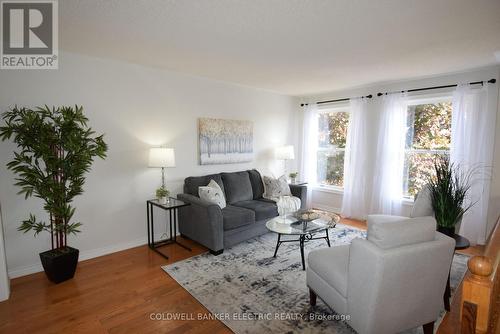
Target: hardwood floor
[
  {"x": 114, "y": 293},
  {"x": 118, "y": 293}
]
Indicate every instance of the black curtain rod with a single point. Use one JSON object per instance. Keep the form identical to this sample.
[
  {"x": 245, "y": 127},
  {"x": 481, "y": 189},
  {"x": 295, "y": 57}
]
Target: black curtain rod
[
  {"x": 492, "y": 81},
  {"x": 337, "y": 100}
]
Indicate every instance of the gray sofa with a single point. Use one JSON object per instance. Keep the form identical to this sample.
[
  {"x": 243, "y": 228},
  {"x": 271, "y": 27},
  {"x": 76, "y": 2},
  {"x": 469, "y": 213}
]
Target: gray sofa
[{"x": 243, "y": 218}]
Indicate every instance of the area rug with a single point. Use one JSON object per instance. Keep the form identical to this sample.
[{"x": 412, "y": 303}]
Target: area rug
[{"x": 250, "y": 291}]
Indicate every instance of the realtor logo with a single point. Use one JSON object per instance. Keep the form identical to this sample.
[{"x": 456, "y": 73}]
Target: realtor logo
[{"x": 29, "y": 35}]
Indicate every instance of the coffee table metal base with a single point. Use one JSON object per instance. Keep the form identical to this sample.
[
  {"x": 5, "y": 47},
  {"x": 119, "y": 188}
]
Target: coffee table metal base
[{"x": 303, "y": 238}]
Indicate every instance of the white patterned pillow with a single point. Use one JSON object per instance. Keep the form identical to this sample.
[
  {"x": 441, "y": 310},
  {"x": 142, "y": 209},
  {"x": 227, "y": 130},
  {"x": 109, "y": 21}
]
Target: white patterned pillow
[
  {"x": 274, "y": 188},
  {"x": 212, "y": 193}
]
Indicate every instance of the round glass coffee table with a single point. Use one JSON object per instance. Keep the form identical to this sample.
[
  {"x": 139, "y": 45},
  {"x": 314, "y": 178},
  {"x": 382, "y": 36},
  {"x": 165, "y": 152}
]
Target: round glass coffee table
[{"x": 288, "y": 225}]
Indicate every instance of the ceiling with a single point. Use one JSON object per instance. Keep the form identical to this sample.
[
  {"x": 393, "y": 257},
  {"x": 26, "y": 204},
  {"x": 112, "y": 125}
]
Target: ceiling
[{"x": 293, "y": 47}]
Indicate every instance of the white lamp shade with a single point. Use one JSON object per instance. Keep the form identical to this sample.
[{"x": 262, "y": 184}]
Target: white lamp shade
[
  {"x": 161, "y": 157},
  {"x": 284, "y": 153}
]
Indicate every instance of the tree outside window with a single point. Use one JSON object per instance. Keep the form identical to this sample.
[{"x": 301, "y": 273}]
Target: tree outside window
[
  {"x": 332, "y": 134},
  {"x": 428, "y": 136}
]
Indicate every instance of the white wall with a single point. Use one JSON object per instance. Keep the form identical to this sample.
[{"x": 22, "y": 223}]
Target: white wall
[
  {"x": 136, "y": 107},
  {"x": 4, "y": 279},
  {"x": 333, "y": 199}
]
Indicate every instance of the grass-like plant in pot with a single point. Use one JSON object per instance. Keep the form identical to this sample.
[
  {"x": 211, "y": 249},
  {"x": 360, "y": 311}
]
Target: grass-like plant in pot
[
  {"x": 449, "y": 187},
  {"x": 56, "y": 148}
]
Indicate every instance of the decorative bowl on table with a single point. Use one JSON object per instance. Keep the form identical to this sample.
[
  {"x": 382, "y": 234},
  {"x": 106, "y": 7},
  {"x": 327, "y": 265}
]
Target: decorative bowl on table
[{"x": 306, "y": 215}]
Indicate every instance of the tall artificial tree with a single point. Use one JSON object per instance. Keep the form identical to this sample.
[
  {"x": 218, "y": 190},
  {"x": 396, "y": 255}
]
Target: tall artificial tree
[{"x": 56, "y": 148}]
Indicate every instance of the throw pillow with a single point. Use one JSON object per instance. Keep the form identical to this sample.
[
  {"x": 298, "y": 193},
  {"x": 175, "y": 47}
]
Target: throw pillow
[
  {"x": 274, "y": 188},
  {"x": 212, "y": 193}
]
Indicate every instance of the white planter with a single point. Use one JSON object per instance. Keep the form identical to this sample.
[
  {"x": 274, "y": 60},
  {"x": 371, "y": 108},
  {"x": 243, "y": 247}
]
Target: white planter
[{"x": 163, "y": 200}]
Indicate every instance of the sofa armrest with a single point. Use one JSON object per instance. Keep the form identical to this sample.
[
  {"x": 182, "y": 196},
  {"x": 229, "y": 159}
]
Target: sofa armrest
[
  {"x": 202, "y": 222},
  {"x": 299, "y": 191},
  {"x": 194, "y": 200}
]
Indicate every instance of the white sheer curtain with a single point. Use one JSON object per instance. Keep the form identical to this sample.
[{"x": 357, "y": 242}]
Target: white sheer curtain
[
  {"x": 472, "y": 142},
  {"x": 354, "y": 202},
  {"x": 308, "y": 168},
  {"x": 389, "y": 162}
]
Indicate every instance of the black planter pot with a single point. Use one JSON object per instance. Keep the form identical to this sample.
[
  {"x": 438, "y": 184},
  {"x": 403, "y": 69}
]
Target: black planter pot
[
  {"x": 60, "y": 265},
  {"x": 449, "y": 231}
]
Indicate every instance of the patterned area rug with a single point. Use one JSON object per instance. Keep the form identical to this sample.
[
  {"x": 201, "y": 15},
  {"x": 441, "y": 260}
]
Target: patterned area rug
[{"x": 252, "y": 292}]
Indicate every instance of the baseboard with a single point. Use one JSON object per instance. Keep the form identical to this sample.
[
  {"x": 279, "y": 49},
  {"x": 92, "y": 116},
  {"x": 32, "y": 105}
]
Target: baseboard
[
  {"x": 24, "y": 270},
  {"x": 84, "y": 255}
]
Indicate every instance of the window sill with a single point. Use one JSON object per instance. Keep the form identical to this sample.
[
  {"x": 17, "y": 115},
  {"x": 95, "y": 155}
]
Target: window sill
[
  {"x": 329, "y": 189},
  {"x": 407, "y": 201},
  {"x": 340, "y": 191}
]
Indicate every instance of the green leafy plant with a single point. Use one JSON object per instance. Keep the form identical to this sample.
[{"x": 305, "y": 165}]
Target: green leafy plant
[
  {"x": 449, "y": 187},
  {"x": 293, "y": 175},
  {"x": 162, "y": 192},
  {"x": 56, "y": 150}
]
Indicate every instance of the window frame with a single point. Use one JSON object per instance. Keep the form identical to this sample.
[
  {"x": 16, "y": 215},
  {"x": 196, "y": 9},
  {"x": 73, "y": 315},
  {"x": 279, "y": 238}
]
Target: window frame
[
  {"x": 433, "y": 98},
  {"x": 338, "y": 107}
]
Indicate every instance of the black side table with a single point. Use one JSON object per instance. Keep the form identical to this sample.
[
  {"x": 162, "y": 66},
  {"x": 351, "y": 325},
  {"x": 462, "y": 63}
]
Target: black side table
[
  {"x": 460, "y": 243},
  {"x": 171, "y": 207}
]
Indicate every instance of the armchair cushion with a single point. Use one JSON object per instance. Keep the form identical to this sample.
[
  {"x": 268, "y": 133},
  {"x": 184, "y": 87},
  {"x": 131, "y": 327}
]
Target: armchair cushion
[
  {"x": 423, "y": 205},
  {"x": 237, "y": 187},
  {"x": 234, "y": 217},
  {"x": 331, "y": 264},
  {"x": 262, "y": 209},
  {"x": 390, "y": 234},
  {"x": 375, "y": 219}
]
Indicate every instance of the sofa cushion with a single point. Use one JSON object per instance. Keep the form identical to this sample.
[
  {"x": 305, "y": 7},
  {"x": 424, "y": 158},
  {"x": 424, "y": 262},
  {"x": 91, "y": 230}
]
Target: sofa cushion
[
  {"x": 237, "y": 187},
  {"x": 399, "y": 233},
  {"x": 257, "y": 185},
  {"x": 192, "y": 183},
  {"x": 234, "y": 217},
  {"x": 332, "y": 265},
  {"x": 263, "y": 209}
]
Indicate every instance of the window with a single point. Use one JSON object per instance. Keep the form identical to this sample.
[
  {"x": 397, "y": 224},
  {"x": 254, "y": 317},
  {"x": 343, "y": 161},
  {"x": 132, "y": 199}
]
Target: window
[
  {"x": 428, "y": 136},
  {"x": 332, "y": 133}
]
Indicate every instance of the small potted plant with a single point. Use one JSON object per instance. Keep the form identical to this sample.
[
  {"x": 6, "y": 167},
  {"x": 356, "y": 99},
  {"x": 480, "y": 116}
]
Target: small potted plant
[
  {"x": 56, "y": 148},
  {"x": 448, "y": 188},
  {"x": 293, "y": 177},
  {"x": 162, "y": 195}
]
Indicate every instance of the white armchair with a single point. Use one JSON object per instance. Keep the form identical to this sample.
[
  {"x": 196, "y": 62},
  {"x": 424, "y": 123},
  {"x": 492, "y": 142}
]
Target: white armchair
[{"x": 390, "y": 282}]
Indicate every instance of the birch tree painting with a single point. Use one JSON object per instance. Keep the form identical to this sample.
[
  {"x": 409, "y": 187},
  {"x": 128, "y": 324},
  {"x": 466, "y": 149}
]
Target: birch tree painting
[{"x": 225, "y": 141}]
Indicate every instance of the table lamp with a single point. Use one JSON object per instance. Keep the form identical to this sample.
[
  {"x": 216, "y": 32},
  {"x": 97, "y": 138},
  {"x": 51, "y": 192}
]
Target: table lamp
[
  {"x": 284, "y": 153},
  {"x": 161, "y": 157}
]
